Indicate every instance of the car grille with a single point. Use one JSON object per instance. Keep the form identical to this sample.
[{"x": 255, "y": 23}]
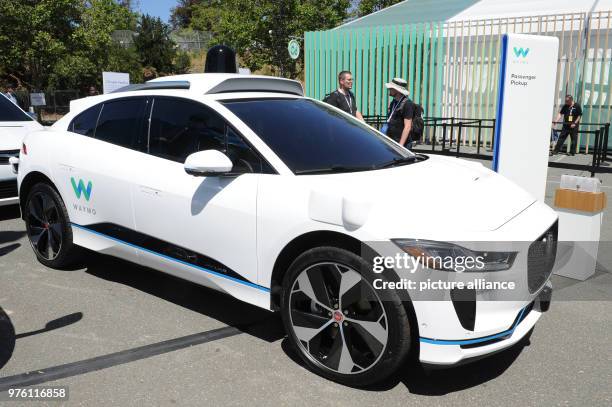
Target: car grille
[
  {"x": 6, "y": 154},
  {"x": 541, "y": 258},
  {"x": 8, "y": 189}
]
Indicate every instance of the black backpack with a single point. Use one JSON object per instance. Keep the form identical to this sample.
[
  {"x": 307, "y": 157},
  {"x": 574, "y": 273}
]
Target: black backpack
[{"x": 417, "y": 120}]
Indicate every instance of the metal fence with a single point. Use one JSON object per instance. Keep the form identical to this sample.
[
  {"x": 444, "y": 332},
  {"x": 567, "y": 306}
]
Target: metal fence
[
  {"x": 452, "y": 68},
  {"x": 57, "y": 103},
  {"x": 444, "y": 135}
]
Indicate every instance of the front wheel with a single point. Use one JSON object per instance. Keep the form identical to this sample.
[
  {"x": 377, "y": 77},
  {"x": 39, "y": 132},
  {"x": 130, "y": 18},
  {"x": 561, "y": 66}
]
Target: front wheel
[
  {"x": 48, "y": 228},
  {"x": 338, "y": 323}
]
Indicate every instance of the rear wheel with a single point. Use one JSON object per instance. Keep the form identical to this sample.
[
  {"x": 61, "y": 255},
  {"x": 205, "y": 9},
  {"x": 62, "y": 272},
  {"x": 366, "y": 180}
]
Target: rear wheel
[
  {"x": 338, "y": 323},
  {"x": 48, "y": 228}
]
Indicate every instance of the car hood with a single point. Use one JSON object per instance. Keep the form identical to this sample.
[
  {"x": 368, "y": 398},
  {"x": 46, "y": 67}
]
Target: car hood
[
  {"x": 440, "y": 192},
  {"x": 12, "y": 133}
]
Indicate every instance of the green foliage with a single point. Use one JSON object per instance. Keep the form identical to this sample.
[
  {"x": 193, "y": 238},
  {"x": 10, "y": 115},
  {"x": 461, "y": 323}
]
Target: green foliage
[
  {"x": 205, "y": 15},
  {"x": 259, "y": 30},
  {"x": 68, "y": 43},
  {"x": 182, "y": 13},
  {"x": 35, "y": 36},
  {"x": 370, "y": 6},
  {"x": 182, "y": 63},
  {"x": 63, "y": 43},
  {"x": 154, "y": 45}
]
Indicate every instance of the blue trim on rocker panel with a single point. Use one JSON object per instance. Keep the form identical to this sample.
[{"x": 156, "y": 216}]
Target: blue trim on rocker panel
[
  {"x": 144, "y": 249},
  {"x": 508, "y": 332}
]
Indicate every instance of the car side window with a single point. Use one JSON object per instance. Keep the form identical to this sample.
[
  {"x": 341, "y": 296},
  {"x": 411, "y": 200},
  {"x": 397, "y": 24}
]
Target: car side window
[
  {"x": 85, "y": 123},
  {"x": 243, "y": 157},
  {"x": 121, "y": 122},
  {"x": 9, "y": 112},
  {"x": 180, "y": 128}
]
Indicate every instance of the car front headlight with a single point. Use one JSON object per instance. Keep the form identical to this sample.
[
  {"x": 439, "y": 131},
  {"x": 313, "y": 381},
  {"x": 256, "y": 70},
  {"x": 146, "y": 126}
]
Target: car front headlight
[{"x": 451, "y": 257}]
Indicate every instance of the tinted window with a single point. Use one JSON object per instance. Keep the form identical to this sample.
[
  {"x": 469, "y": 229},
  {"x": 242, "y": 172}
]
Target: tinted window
[
  {"x": 180, "y": 128},
  {"x": 310, "y": 136},
  {"x": 121, "y": 122},
  {"x": 241, "y": 154},
  {"x": 85, "y": 123},
  {"x": 11, "y": 113}
]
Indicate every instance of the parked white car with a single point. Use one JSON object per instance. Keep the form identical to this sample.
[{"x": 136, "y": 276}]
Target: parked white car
[
  {"x": 243, "y": 185},
  {"x": 14, "y": 124}
]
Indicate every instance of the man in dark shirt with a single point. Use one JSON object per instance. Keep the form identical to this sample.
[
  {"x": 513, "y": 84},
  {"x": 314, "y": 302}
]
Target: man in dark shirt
[
  {"x": 401, "y": 112},
  {"x": 343, "y": 98},
  {"x": 572, "y": 113}
]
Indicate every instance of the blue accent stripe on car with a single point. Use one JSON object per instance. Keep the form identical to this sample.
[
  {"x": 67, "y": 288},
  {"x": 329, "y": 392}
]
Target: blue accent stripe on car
[
  {"x": 508, "y": 332},
  {"x": 236, "y": 280},
  {"x": 500, "y": 102}
]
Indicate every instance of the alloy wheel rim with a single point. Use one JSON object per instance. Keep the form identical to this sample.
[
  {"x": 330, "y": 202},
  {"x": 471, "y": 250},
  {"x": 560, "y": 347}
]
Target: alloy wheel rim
[
  {"x": 44, "y": 226},
  {"x": 338, "y": 319}
]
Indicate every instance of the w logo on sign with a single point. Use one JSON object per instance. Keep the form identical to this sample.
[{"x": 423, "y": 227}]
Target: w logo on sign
[
  {"x": 521, "y": 52},
  {"x": 80, "y": 188}
]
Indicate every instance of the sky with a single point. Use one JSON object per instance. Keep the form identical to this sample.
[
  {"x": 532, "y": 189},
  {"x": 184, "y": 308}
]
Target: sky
[{"x": 157, "y": 8}]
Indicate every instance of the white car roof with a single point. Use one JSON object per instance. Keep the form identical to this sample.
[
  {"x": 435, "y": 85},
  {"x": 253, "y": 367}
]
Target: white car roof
[
  {"x": 217, "y": 86},
  {"x": 213, "y": 83}
]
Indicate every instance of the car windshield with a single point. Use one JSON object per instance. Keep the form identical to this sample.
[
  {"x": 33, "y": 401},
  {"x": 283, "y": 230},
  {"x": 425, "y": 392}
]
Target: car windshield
[
  {"x": 311, "y": 137},
  {"x": 11, "y": 113}
]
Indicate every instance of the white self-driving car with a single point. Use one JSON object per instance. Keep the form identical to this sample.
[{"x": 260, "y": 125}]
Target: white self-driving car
[
  {"x": 243, "y": 185},
  {"x": 14, "y": 125}
]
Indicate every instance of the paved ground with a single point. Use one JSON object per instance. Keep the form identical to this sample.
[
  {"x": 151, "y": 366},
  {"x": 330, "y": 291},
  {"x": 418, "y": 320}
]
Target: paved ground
[{"x": 120, "y": 335}]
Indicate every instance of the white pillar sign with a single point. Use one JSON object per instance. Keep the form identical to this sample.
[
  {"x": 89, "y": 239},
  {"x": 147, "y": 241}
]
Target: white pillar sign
[
  {"x": 528, "y": 70},
  {"x": 114, "y": 80}
]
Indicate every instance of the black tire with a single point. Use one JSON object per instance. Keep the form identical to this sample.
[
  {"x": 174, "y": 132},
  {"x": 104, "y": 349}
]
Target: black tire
[
  {"x": 48, "y": 227},
  {"x": 340, "y": 326}
]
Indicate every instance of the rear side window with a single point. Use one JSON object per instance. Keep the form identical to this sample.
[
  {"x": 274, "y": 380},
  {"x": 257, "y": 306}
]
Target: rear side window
[
  {"x": 180, "y": 128},
  {"x": 121, "y": 122},
  {"x": 11, "y": 113},
  {"x": 85, "y": 123}
]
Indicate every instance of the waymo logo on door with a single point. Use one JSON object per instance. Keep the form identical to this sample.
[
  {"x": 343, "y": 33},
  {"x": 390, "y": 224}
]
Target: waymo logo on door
[
  {"x": 521, "y": 52},
  {"x": 79, "y": 188}
]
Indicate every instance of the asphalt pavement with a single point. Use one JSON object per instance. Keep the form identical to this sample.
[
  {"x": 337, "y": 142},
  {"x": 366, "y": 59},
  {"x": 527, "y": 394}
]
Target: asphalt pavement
[{"x": 118, "y": 334}]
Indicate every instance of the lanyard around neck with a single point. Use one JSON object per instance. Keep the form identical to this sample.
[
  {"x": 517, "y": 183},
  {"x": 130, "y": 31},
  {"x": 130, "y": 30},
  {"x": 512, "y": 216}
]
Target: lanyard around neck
[
  {"x": 395, "y": 107},
  {"x": 349, "y": 101}
]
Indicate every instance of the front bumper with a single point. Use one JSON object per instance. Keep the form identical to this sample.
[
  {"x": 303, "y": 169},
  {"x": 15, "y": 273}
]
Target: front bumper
[{"x": 450, "y": 352}]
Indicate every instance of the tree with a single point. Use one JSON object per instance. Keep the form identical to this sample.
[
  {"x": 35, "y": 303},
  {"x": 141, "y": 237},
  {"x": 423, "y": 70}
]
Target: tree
[
  {"x": 35, "y": 36},
  {"x": 61, "y": 43},
  {"x": 181, "y": 14},
  {"x": 182, "y": 63},
  {"x": 260, "y": 30},
  {"x": 205, "y": 15},
  {"x": 370, "y": 6},
  {"x": 154, "y": 45}
]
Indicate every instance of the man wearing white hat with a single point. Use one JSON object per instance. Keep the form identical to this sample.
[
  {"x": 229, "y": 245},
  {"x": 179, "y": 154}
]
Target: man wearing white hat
[{"x": 400, "y": 114}]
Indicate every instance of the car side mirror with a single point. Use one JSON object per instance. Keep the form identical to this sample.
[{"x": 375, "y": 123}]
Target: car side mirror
[{"x": 207, "y": 162}]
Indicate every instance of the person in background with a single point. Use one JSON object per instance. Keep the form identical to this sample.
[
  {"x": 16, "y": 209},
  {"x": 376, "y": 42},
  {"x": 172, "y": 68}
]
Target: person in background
[
  {"x": 10, "y": 94},
  {"x": 400, "y": 114},
  {"x": 92, "y": 91},
  {"x": 343, "y": 98},
  {"x": 572, "y": 113}
]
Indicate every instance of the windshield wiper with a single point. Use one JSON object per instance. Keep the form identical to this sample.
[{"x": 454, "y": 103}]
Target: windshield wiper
[
  {"x": 399, "y": 161},
  {"x": 332, "y": 169}
]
